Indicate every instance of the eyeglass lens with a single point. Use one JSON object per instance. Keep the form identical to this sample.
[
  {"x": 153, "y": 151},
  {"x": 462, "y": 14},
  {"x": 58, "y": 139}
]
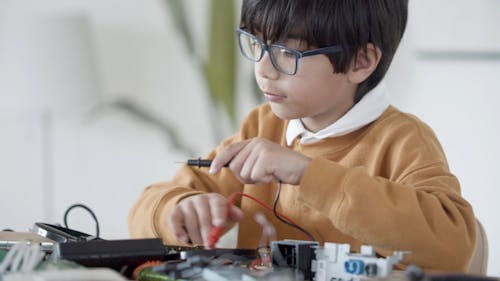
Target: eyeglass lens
[{"x": 282, "y": 58}]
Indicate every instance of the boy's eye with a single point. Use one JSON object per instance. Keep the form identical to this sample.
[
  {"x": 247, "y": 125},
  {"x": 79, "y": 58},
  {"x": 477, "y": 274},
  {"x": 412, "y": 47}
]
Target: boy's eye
[{"x": 255, "y": 46}]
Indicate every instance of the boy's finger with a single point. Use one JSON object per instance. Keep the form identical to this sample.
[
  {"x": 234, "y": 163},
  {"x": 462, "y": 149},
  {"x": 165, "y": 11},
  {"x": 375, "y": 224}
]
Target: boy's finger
[
  {"x": 248, "y": 165},
  {"x": 219, "y": 213},
  {"x": 204, "y": 219},
  {"x": 226, "y": 155},
  {"x": 192, "y": 224},
  {"x": 176, "y": 222},
  {"x": 236, "y": 214}
]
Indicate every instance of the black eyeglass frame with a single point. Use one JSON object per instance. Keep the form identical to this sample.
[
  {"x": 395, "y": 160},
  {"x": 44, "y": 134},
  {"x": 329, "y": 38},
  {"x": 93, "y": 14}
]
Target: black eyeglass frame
[{"x": 298, "y": 54}]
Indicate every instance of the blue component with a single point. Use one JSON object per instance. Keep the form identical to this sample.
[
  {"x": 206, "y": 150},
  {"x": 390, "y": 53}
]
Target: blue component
[{"x": 354, "y": 267}]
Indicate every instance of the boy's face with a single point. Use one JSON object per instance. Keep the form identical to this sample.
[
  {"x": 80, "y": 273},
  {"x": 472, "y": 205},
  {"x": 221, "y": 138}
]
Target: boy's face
[{"x": 314, "y": 94}]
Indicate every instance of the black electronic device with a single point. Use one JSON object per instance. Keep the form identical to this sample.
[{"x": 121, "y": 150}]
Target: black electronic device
[
  {"x": 121, "y": 255},
  {"x": 232, "y": 254}
]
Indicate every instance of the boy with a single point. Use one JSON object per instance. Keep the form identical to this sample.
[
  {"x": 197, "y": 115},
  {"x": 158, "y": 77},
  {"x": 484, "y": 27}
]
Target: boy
[{"x": 353, "y": 168}]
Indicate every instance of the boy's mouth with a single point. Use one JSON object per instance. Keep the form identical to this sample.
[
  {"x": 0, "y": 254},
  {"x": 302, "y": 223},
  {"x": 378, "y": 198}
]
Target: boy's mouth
[{"x": 273, "y": 97}]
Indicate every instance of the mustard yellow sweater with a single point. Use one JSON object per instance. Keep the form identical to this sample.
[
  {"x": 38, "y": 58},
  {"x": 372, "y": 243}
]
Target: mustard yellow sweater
[{"x": 387, "y": 185}]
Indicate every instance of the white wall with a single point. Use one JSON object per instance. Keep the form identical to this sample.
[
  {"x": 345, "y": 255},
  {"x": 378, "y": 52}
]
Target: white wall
[
  {"x": 60, "y": 59},
  {"x": 447, "y": 73}
]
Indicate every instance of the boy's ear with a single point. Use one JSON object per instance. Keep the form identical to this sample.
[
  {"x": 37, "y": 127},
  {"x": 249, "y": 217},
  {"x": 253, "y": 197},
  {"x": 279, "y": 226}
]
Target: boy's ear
[{"x": 365, "y": 62}]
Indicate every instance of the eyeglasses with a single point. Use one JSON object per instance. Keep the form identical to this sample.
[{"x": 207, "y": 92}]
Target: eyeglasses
[{"x": 284, "y": 59}]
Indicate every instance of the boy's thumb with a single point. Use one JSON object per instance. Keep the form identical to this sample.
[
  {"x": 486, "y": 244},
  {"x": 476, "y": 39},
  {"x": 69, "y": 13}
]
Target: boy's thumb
[{"x": 236, "y": 214}]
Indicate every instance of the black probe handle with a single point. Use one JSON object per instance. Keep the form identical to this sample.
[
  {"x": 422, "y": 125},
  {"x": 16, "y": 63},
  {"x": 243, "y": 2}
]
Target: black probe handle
[{"x": 201, "y": 163}]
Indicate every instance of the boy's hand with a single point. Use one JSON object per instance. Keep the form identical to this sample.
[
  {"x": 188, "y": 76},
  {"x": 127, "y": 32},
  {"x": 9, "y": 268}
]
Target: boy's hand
[
  {"x": 259, "y": 160},
  {"x": 195, "y": 216}
]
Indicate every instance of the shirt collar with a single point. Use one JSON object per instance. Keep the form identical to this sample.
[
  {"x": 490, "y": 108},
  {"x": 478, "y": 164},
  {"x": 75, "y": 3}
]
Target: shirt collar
[{"x": 367, "y": 110}]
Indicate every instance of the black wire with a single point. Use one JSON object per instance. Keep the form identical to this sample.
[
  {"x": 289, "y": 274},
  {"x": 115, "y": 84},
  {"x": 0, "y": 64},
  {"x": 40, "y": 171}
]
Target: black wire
[
  {"x": 275, "y": 204},
  {"x": 88, "y": 210}
]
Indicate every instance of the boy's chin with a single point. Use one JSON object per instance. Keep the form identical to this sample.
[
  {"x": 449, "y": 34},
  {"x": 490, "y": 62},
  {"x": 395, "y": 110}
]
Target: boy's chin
[{"x": 284, "y": 114}]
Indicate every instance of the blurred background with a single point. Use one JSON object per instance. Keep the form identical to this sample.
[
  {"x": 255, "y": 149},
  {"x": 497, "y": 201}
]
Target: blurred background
[{"x": 99, "y": 99}]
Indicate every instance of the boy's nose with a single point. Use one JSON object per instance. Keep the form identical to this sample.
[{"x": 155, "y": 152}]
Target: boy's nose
[{"x": 265, "y": 68}]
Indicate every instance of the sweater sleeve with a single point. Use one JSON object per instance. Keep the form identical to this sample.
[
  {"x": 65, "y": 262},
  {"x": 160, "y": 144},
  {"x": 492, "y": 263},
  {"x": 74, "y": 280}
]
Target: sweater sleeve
[{"x": 418, "y": 208}]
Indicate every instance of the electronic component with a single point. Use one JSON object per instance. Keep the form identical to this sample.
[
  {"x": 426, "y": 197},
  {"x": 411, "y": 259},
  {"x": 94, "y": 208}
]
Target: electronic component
[
  {"x": 60, "y": 234},
  {"x": 296, "y": 254},
  {"x": 192, "y": 267},
  {"x": 194, "y": 263},
  {"x": 335, "y": 261},
  {"x": 22, "y": 257},
  {"x": 225, "y": 273},
  {"x": 10, "y": 238}
]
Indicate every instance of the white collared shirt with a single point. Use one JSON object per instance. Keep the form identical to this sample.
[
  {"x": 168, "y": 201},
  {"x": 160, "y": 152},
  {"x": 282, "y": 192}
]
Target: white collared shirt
[{"x": 367, "y": 110}]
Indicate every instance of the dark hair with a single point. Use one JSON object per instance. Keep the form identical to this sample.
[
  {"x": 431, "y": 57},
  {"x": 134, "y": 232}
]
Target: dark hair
[{"x": 352, "y": 24}]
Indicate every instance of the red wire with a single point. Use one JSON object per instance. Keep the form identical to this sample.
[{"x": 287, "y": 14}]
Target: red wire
[{"x": 216, "y": 232}]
